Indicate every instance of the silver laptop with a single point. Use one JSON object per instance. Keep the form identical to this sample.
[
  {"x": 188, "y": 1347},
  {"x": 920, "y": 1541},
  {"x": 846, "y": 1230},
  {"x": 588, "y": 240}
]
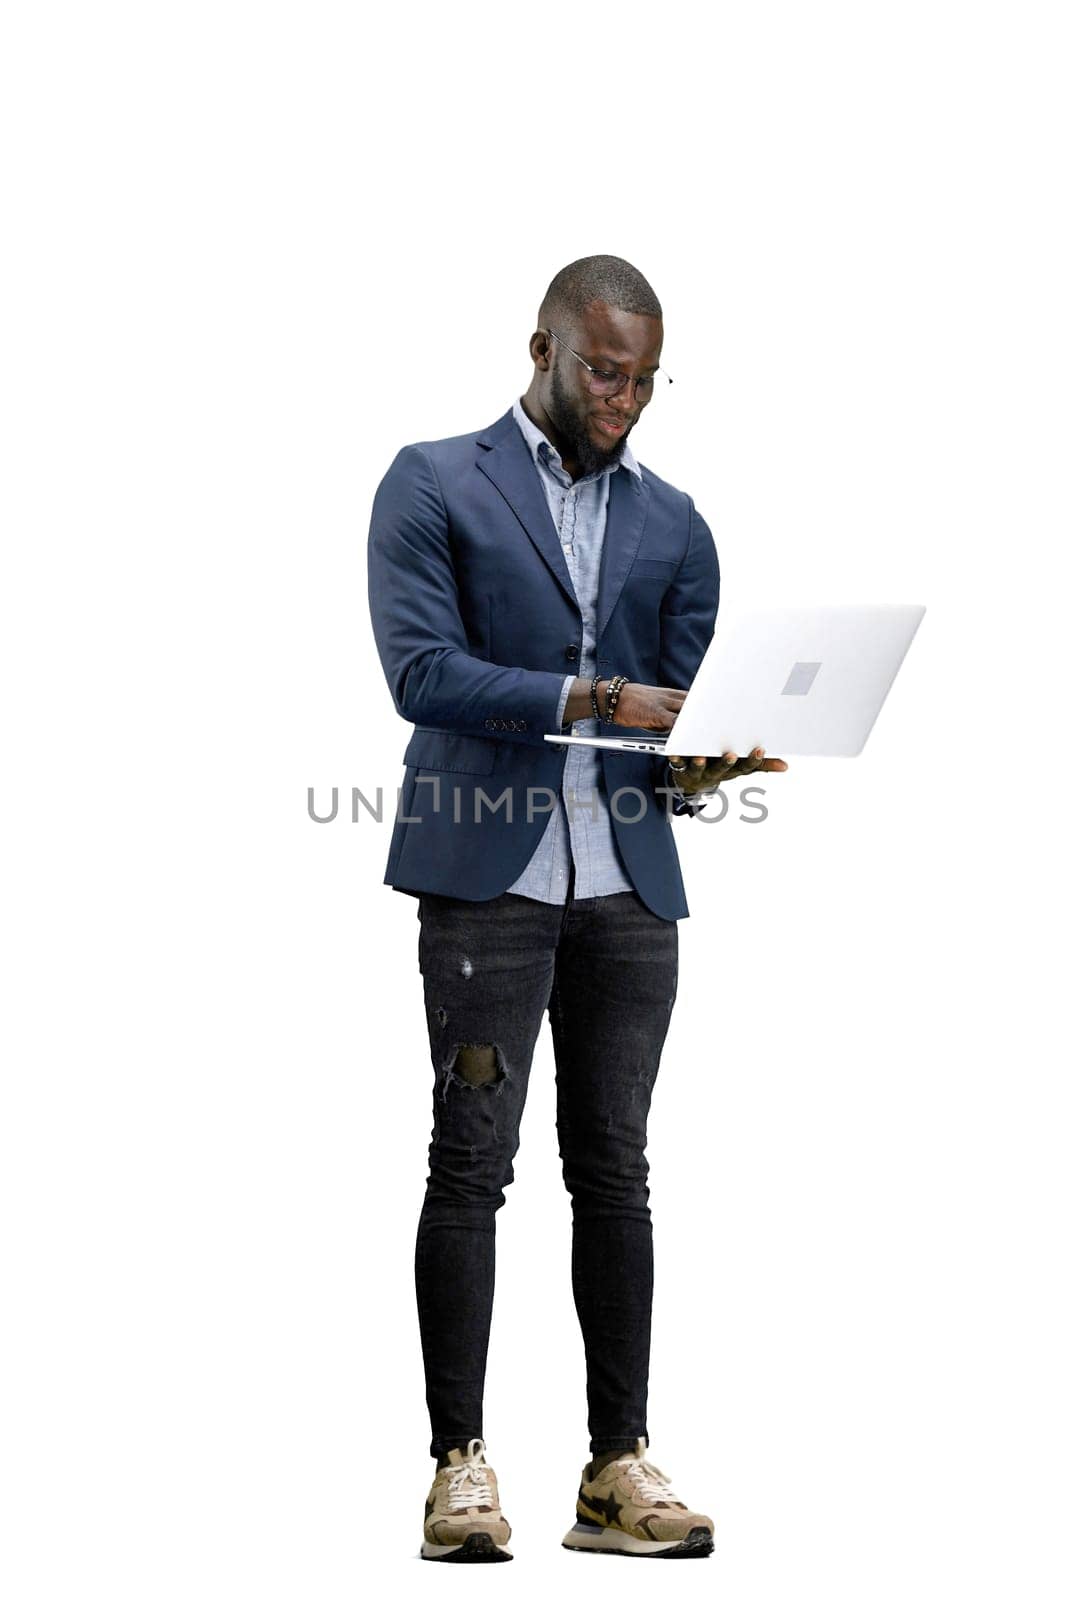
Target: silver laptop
[{"x": 796, "y": 682}]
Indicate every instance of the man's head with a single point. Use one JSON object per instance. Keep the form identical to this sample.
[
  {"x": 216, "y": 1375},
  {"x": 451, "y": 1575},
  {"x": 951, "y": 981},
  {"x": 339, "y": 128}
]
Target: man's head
[{"x": 602, "y": 311}]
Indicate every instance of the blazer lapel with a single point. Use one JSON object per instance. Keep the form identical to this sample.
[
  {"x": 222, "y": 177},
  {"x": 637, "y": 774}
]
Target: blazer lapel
[
  {"x": 508, "y": 465},
  {"x": 627, "y": 510}
]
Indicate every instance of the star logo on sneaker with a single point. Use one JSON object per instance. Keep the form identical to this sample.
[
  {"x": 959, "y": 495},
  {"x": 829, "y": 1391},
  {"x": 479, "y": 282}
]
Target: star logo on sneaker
[{"x": 608, "y": 1508}]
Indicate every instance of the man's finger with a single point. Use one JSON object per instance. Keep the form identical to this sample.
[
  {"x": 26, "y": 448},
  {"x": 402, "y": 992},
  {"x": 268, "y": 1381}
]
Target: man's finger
[
  {"x": 745, "y": 769},
  {"x": 750, "y": 763},
  {"x": 704, "y": 765},
  {"x": 709, "y": 771},
  {"x": 762, "y": 762}
]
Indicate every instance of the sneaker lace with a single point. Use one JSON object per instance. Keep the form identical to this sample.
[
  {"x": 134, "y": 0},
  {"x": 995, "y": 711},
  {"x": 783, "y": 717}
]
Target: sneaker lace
[
  {"x": 468, "y": 1484},
  {"x": 650, "y": 1484}
]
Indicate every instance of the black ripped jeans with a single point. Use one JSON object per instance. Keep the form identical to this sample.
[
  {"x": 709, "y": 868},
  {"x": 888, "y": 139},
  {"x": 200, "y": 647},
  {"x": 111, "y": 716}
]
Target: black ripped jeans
[{"x": 606, "y": 970}]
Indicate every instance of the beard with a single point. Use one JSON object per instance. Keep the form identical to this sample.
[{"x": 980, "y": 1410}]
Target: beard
[{"x": 589, "y": 456}]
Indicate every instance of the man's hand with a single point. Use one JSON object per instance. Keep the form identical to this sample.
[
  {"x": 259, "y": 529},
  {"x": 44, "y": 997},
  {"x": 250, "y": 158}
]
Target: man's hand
[
  {"x": 643, "y": 706},
  {"x": 701, "y": 774}
]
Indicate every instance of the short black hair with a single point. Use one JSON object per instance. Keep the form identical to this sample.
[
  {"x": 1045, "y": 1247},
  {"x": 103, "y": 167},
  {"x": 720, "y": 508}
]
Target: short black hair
[{"x": 607, "y": 278}]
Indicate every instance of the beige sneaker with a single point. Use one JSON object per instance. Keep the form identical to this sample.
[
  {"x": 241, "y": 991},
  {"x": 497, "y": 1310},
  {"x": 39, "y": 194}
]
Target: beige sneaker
[
  {"x": 627, "y": 1510},
  {"x": 463, "y": 1517}
]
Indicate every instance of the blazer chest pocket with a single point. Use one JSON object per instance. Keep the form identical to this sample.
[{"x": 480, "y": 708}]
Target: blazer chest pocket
[
  {"x": 645, "y": 567},
  {"x": 449, "y": 752}
]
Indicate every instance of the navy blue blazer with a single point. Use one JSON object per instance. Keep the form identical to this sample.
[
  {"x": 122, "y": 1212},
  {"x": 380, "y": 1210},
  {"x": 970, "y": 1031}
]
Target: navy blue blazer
[{"x": 477, "y": 624}]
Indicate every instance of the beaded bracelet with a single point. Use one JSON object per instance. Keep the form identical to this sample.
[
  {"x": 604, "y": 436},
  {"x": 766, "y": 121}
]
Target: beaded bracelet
[
  {"x": 615, "y": 688},
  {"x": 592, "y": 695}
]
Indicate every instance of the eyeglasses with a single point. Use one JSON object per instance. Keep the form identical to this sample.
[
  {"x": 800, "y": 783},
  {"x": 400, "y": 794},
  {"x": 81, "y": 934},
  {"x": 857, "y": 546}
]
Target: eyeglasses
[{"x": 612, "y": 383}]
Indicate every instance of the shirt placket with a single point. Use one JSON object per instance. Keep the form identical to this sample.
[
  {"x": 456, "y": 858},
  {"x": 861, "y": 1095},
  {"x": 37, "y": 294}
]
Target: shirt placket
[
  {"x": 582, "y": 759},
  {"x": 563, "y": 841}
]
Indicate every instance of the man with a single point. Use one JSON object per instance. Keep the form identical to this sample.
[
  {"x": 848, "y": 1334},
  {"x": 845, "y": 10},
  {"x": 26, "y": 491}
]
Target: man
[{"x": 525, "y": 579}]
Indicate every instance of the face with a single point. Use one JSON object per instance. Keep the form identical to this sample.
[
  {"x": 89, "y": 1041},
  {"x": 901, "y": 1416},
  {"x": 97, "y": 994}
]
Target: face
[{"x": 596, "y": 427}]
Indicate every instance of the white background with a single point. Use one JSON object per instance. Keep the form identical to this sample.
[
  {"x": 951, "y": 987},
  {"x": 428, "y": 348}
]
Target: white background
[{"x": 252, "y": 251}]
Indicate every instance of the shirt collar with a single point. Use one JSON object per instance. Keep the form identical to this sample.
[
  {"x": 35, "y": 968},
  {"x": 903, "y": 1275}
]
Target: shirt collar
[{"x": 539, "y": 445}]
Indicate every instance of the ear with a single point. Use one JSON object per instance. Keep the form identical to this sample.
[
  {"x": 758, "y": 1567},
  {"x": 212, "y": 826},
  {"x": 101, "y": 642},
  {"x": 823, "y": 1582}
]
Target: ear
[{"x": 540, "y": 345}]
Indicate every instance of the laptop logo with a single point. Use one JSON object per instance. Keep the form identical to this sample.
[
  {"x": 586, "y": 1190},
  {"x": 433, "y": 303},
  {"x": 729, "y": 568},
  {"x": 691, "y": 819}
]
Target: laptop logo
[{"x": 802, "y": 677}]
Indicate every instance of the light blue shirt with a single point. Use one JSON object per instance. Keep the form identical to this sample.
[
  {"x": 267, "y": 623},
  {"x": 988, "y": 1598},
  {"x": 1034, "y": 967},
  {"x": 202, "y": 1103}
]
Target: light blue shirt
[{"x": 581, "y": 827}]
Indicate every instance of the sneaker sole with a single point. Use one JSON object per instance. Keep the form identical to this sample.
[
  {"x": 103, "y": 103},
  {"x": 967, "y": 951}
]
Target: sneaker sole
[
  {"x": 475, "y": 1547},
  {"x": 615, "y": 1542}
]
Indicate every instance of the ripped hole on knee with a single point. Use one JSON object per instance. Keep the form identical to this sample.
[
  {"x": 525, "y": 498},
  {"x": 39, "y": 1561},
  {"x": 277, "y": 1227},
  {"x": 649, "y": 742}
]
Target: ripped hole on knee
[{"x": 476, "y": 1066}]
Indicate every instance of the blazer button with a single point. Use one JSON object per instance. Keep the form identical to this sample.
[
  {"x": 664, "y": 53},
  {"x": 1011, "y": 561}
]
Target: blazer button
[
  {"x": 522, "y": 727},
  {"x": 513, "y": 726},
  {"x": 572, "y": 652},
  {"x": 489, "y": 722}
]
